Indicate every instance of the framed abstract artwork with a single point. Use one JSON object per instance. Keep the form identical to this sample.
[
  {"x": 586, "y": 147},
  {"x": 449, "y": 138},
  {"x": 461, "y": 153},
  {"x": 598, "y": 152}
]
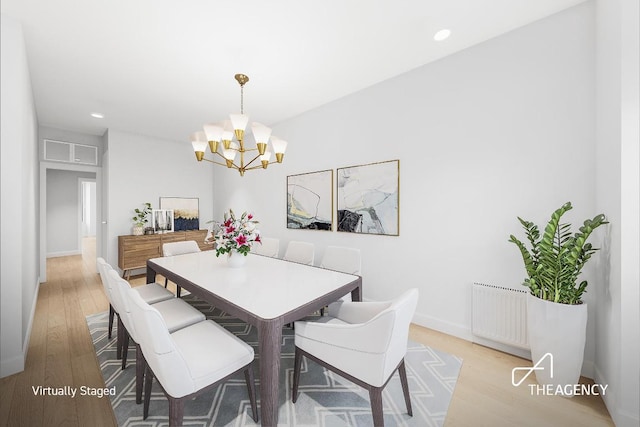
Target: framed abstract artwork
[
  {"x": 185, "y": 212},
  {"x": 310, "y": 201},
  {"x": 368, "y": 198},
  {"x": 162, "y": 221}
]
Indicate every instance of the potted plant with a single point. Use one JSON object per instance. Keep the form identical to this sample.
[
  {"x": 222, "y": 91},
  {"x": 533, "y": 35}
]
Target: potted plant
[
  {"x": 140, "y": 219},
  {"x": 556, "y": 314}
]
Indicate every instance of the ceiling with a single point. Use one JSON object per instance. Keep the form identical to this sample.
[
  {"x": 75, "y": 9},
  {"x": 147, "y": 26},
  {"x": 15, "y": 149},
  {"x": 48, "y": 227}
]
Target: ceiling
[{"x": 164, "y": 67}]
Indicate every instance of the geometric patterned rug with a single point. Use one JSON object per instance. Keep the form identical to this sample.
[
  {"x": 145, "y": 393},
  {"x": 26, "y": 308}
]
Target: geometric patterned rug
[{"x": 325, "y": 399}]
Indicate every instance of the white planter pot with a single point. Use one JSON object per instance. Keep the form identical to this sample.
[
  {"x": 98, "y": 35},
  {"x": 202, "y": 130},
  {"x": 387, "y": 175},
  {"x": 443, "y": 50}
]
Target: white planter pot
[
  {"x": 558, "y": 329},
  {"x": 138, "y": 230}
]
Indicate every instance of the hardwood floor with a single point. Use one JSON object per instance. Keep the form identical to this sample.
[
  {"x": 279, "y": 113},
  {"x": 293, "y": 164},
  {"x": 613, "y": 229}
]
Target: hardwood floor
[
  {"x": 61, "y": 354},
  {"x": 484, "y": 395}
]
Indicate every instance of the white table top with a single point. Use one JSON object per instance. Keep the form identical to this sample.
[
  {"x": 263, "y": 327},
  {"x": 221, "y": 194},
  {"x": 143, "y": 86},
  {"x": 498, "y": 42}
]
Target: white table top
[{"x": 266, "y": 287}]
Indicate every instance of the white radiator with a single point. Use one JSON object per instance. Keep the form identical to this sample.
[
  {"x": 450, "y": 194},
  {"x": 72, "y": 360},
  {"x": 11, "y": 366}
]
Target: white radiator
[{"x": 500, "y": 314}]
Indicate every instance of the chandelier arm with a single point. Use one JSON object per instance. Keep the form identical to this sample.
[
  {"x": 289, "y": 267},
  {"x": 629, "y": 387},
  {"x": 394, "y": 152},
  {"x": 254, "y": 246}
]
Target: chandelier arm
[
  {"x": 217, "y": 163},
  {"x": 252, "y": 160},
  {"x": 257, "y": 167}
]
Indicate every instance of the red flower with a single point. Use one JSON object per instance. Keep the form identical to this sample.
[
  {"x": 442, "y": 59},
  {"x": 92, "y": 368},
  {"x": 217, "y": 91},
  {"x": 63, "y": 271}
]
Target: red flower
[
  {"x": 258, "y": 239},
  {"x": 230, "y": 229},
  {"x": 250, "y": 216},
  {"x": 241, "y": 240},
  {"x": 228, "y": 222}
]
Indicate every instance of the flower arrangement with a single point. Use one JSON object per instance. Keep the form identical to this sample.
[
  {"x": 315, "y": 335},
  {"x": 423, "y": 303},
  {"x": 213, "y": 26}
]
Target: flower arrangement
[{"x": 236, "y": 234}]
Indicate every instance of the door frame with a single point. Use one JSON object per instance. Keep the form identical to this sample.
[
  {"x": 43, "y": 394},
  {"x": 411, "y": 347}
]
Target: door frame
[{"x": 81, "y": 201}]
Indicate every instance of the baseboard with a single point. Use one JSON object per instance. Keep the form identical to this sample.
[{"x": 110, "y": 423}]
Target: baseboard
[
  {"x": 505, "y": 348},
  {"x": 463, "y": 332},
  {"x": 12, "y": 366},
  {"x": 63, "y": 253},
  {"x": 620, "y": 418},
  {"x": 448, "y": 328},
  {"x": 17, "y": 363},
  {"x": 32, "y": 315}
]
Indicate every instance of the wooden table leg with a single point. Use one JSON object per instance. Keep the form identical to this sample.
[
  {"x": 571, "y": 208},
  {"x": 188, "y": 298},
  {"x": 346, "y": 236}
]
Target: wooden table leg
[
  {"x": 151, "y": 275},
  {"x": 356, "y": 294},
  {"x": 269, "y": 347}
]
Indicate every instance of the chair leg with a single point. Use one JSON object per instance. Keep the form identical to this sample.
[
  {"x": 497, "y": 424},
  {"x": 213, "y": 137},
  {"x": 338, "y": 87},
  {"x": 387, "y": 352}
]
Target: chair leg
[
  {"x": 112, "y": 312},
  {"x": 297, "y": 366},
  {"x": 178, "y": 291},
  {"x": 125, "y": 348},
  {"x": 176, "y": 411},
  {"x": 140, "y": 367},
  {"x": 375, "y": 395},
  {"x": 119, "y": 339},
  {"x": 166, "y": 282},
  {"x": 148, "y": 381},
  {"x": 249, "y": 378},
  {"x": 405, "y": 386}
]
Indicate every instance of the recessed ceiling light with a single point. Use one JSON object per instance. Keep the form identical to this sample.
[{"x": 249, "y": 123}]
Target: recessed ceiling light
[
  {"x": 97, "y": 115},
  {"x": 442, "y": 35}
]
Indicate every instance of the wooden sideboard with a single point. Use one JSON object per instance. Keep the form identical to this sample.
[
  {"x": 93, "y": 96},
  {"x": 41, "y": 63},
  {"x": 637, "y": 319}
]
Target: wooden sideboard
[{"x": 134, "y": 251}]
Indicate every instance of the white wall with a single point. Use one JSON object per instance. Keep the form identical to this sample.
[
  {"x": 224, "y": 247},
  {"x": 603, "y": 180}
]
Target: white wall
[
  {"x": 143, "y": 169},
  {"x": 618, "y": 190},
  {"x": 62, "y": 211},
  {"x": 19, "y": 207},
  {"x": 500, "y": 130}
]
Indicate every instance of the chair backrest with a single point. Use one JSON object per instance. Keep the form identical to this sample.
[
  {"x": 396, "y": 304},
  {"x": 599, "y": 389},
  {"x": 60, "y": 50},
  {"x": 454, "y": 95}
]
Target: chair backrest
[
  {"x": 402, "y": 310},
  {"x": 179, "y": 248},
  {"x": 120, "y": 295},
  {"x": 103, "y": 269},
  {"x": 300, "y": 252},
  {"x": 270, "y": 247},
  {"x": 159, "y": 349},
  {"x": 344, "y": 260}
]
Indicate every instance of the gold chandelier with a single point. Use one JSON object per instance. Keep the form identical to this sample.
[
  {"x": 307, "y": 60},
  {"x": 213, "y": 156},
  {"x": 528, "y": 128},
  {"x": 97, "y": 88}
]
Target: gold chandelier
[{"x": 216, "y": 133}]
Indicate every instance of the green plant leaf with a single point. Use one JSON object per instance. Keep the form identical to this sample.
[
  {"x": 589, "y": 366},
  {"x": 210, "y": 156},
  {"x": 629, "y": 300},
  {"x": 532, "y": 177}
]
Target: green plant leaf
[{"x": 556, "y": 258}]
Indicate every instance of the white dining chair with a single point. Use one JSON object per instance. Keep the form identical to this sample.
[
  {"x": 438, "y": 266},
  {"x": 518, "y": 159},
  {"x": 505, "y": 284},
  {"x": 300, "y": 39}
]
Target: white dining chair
[
  {"x": 300, "y": 252},
  {"x": 176, "y": 312},
  {"x": 269, "y": 247},
  {"x": 151, "y": 293},
  {"x": 188, "y": 361},
  {"x": 179, "y": 248},
  {"x": 344, "y": 260},
  {"x": 102, "y": 269},
  {"x": 365, "y": 342}
]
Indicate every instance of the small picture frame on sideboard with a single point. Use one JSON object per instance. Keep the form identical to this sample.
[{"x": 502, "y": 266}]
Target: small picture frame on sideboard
[{"x": 162, "y": 221}]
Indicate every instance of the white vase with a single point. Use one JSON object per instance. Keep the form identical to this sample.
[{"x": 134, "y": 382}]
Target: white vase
[
  {"x": 138, "y": 230},
  {"x": 558, "y": 329},
  {"x": 236, "y": 259}
]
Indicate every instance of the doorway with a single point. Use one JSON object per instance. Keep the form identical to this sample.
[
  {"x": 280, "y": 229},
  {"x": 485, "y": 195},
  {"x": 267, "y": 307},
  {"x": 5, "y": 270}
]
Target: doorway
[{"x": 61, "y": 212}]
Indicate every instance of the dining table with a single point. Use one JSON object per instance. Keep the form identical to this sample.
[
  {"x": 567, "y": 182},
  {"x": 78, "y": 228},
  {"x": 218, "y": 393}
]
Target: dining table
[{"x": 267, "y": 293}]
